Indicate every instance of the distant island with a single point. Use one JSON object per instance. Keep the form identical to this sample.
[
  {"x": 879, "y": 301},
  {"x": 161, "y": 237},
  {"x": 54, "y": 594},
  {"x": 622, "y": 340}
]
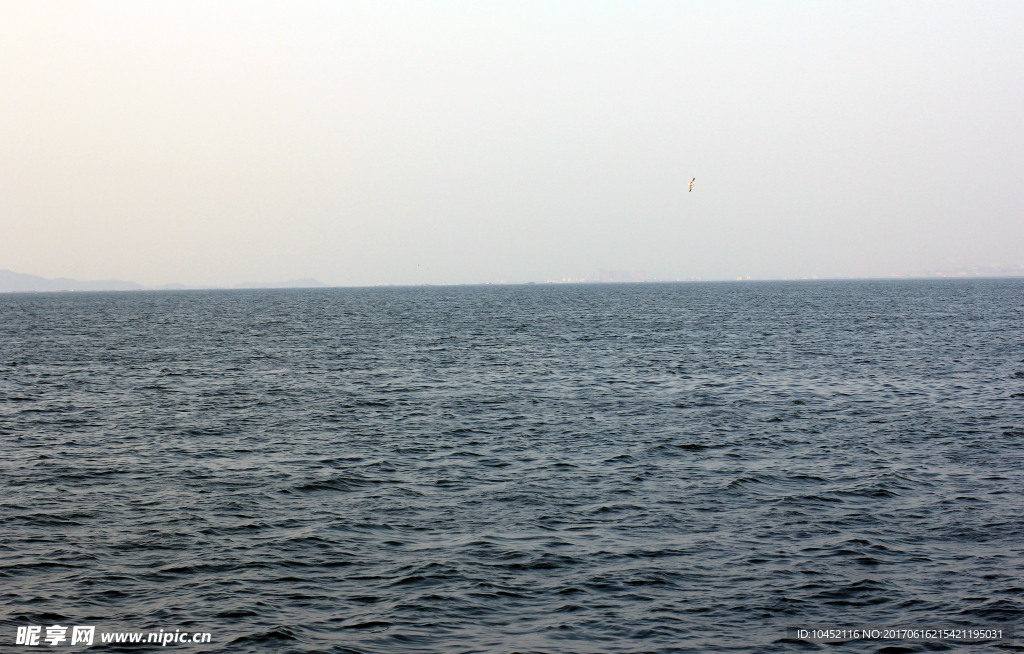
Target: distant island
[{"x": 14, "y": 282}]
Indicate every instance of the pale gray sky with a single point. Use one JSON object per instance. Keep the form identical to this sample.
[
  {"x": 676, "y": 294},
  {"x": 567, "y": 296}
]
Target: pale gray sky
[{"x": 449, "y": 142}]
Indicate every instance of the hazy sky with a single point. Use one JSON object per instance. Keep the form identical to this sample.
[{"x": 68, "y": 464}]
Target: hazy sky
[{"x": 446, "y": 142}]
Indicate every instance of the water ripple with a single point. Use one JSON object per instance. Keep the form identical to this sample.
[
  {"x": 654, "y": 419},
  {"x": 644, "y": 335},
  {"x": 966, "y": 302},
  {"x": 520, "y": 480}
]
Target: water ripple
[{"x": 620, "y": 468}]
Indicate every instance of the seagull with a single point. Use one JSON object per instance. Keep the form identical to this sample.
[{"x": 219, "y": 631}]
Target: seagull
[{"x": 691, "y": 184}]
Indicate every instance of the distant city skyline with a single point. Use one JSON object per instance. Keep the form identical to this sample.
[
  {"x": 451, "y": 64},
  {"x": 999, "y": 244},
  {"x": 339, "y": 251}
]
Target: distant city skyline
[{"x": 450, "y": 142}]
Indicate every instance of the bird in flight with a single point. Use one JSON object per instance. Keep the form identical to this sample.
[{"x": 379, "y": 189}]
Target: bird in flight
[{"x": 691, "y": 184}]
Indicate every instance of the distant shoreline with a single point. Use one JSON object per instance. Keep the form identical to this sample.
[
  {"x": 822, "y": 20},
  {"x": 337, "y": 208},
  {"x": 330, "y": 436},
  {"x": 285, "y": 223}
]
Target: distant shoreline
[{"x": 11, "y": 282}]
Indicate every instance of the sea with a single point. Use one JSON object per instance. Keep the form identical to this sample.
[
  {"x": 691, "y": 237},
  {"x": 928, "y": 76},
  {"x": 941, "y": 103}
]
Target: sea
[{"x": 680, "y": 467}]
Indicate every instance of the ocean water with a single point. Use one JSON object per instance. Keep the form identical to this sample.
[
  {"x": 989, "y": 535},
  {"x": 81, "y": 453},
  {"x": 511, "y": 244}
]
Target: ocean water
[{"x": 579, "y": 468}]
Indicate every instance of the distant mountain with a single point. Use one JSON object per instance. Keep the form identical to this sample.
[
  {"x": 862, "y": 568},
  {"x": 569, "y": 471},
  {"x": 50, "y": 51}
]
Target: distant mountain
[{"x": 12, "y": 282}]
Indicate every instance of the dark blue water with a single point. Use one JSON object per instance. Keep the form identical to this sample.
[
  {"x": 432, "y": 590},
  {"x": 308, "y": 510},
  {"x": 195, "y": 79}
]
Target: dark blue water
[{"x": 606, "y": 468}]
